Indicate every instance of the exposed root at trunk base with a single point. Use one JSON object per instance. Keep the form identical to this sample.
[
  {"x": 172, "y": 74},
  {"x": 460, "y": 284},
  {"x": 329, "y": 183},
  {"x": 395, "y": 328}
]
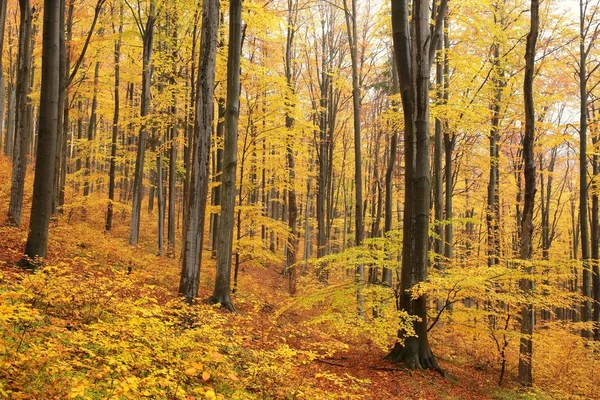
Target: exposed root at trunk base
[
  {"x": 415, "y": 356},
  {"x": 28, "y": 264},
  {"x": 226, "y": 304}
]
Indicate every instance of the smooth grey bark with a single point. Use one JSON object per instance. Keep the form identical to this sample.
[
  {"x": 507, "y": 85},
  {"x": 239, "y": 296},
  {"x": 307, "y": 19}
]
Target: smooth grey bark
[
  {"x": 221, "y": 293},
  {"x": 138, "y": 189},
  {"x": 43, "y": 184},
  {"x": 193, "y": 237},
  {"x": 415, "y": 43},
  {"x": 526, "y": 249},
  {"x": 115, "y": 122},
  {"x": 22, "y": 138}
]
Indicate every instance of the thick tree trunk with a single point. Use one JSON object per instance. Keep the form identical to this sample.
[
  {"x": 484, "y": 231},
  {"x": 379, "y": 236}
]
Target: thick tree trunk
[
  {"x": 526, "y": 250},
  {"x": 225, "y": 236},
  {"x": 193, "y": 237},
  {"x": 22, "y": 142},
  {"x": 415, "y": 46},
  {"x": 138, "y": 188},
  {"x": 43, "y": 188}
]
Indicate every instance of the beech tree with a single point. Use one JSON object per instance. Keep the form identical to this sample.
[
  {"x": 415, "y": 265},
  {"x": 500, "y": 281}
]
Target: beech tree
[
  {"x": 526, "y": 250},
  {"x": 22, "y": 121},
  {"x": 43, "y": 183},
  {"x": 221, "y": 293},
  {"x": 146, "y": 30},
  {"x": 193, "y": 236},
  {"x": 415, "y": 43}
]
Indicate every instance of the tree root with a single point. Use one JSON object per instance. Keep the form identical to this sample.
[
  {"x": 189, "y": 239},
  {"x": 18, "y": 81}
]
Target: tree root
[
  {"x": 415, "y": 356},
  {"x": 226, "y": 304}
]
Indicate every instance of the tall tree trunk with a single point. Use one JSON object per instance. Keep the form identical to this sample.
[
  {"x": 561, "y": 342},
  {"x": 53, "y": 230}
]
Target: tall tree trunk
[
  {"x": 63, "y": 133},
  {"x": 389, "y": 173},
  {"x": 449, "y": 142},
  {"x": 43, "y": 184},
  {"x": 161, "y": 199},
  {"x": 225, "y": 235},
  {"x": 218, "y": 170},
  {"x": 115, "y": 125},
  {"x": 21, "y": 147},
  {"x": 438, "y": 188},
  {"x": 290, "y": 77},
  {"x": 138, "y": 188},
  {"x": 415, "y": 46},
  {"x": 90, "y": 134},
  {"x": 526, "y": 250},
  {"x": 193, "y": 237},
  {"x": 586, "y": 282},
  {"x": 493, "y": 200},
  {"x": 2, "y": 79},
  {"x": 359, "y": 223}
]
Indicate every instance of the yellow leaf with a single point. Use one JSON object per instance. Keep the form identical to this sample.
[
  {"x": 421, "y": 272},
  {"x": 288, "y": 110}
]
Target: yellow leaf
[
  {"x": 191, "y": 372},
  {"x": 205, "y": 375},
  {"x": 233, "y": 377}
]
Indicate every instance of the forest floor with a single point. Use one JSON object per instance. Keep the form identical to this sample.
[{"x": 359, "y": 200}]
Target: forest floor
[{"x": 83, "y": 255}]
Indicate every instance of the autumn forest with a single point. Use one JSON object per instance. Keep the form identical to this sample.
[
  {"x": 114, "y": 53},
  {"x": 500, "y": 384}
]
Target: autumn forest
[{"x": 299, "y": 199}]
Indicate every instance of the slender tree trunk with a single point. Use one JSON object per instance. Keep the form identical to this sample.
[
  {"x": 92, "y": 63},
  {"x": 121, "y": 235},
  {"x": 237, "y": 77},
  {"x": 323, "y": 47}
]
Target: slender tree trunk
[
  {"x": 90, "y": 134},
  {"x": 41, "y": 208},
  {"x": 292, "y": 247},
  {"x": 138, "y": 189},
  {"x": 218, "y": 171},
  {"x": 493, "y": 201},
  {"x": 449, "y": 141},
  {"x": 389, "y": 173},
  {"x": 526, "y": 250},
  {"x": 586, "y": 282},
  {"x": 225, "y": 236},
  {"x": 22, "y": 142},
  {"x": 2, "y": 79},
  {"x": 193, "y": 237},
  {"x": 359, "y": 223},
  {"x": 161, "y": 200},
  {"x": 115, "y": 125},
  {"x": 438, "y": 188},
  {"x": 63, "y": 133}
]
